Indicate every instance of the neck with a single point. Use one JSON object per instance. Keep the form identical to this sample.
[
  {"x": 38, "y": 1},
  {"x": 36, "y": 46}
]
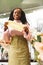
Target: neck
[{"x": 18, "y": 21}]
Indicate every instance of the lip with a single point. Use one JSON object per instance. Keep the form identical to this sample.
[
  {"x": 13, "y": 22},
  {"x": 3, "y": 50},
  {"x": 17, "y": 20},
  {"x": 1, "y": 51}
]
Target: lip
[{"x": 17, "y": 16}]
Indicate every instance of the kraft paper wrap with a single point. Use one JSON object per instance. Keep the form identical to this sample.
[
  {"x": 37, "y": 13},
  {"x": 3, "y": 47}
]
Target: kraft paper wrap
[{"x": 16, "y": 26}]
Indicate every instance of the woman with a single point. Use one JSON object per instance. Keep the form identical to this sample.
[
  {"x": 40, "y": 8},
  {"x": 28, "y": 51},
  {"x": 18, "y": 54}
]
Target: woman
[{"x": 18, "y": 51}]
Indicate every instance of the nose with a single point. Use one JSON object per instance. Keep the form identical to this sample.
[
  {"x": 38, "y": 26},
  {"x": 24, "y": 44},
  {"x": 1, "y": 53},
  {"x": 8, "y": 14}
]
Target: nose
[{"x": 16, "y": 13}]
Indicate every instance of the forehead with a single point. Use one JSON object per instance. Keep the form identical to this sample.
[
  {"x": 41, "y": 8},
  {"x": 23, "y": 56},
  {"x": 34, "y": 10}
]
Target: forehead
[{"x": 17, "y": 10}]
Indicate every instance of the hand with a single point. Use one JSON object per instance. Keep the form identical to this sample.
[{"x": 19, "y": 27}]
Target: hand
[
  {"x": 26, "y": 30},
  {"x": 27, "y": 36}
]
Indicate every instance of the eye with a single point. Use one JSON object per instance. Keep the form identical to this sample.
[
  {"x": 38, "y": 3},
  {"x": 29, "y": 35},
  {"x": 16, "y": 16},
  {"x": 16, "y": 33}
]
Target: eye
[{"x": 15, "y": 12}]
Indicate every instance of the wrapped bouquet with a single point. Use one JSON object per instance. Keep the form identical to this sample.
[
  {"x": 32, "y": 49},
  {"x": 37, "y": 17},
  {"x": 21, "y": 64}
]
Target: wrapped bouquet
[{"x": 16, "y": 26}]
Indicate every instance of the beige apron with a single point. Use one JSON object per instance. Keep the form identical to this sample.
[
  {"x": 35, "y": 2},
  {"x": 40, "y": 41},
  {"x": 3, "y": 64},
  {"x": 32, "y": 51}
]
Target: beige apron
[{"x": 18, "y": 52}]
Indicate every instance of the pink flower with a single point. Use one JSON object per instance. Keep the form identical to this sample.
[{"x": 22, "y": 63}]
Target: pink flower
[{"x": 38, "y": 46}]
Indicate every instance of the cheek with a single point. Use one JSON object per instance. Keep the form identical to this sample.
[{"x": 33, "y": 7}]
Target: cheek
[
  {"x": 13, "y": 15},
  {"x": 20, "y": 16}
]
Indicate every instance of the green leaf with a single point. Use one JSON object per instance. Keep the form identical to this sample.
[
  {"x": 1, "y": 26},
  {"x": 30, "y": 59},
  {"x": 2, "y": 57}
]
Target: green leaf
[{"x": 38, "y": 38}]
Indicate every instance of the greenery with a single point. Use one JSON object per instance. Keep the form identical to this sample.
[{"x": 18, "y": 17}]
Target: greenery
[
  {"x": 38, "y": 38},
  {"x": 35, "y": 51}
]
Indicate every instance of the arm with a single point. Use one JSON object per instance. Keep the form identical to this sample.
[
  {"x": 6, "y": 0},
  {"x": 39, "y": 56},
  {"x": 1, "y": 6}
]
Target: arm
[
  {"x": 10, "y": 33},
  {"x": 14, "y": 32},
  {"x": 27, "y": 33},
  {"x": 28, "y": 36},
  {"x": 6, "y": 37}
]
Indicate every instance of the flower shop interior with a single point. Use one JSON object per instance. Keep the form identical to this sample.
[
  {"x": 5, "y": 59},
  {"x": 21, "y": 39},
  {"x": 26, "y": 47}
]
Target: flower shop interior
[{"x": 34, "y": 15}]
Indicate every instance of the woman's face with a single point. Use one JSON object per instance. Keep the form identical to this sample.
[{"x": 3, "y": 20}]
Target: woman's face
[{"x": 17, "y": 14}]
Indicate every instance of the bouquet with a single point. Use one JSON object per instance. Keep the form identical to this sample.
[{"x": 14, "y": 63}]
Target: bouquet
[
  {"x": 17, "y": 26},
  {"x": 38, "y": 46}
]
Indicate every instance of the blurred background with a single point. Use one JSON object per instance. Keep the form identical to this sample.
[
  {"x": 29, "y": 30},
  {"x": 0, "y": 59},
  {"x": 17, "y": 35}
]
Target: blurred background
[{"x": 34, "y": 14}]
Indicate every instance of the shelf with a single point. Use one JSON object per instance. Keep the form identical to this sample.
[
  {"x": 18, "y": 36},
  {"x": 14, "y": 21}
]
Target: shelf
[{"x": 3, "y": 60}]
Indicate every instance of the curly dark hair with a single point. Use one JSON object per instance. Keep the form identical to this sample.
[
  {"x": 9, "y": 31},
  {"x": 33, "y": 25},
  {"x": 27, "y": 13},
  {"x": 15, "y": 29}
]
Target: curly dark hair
[{"x": 23, "y": 17}]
